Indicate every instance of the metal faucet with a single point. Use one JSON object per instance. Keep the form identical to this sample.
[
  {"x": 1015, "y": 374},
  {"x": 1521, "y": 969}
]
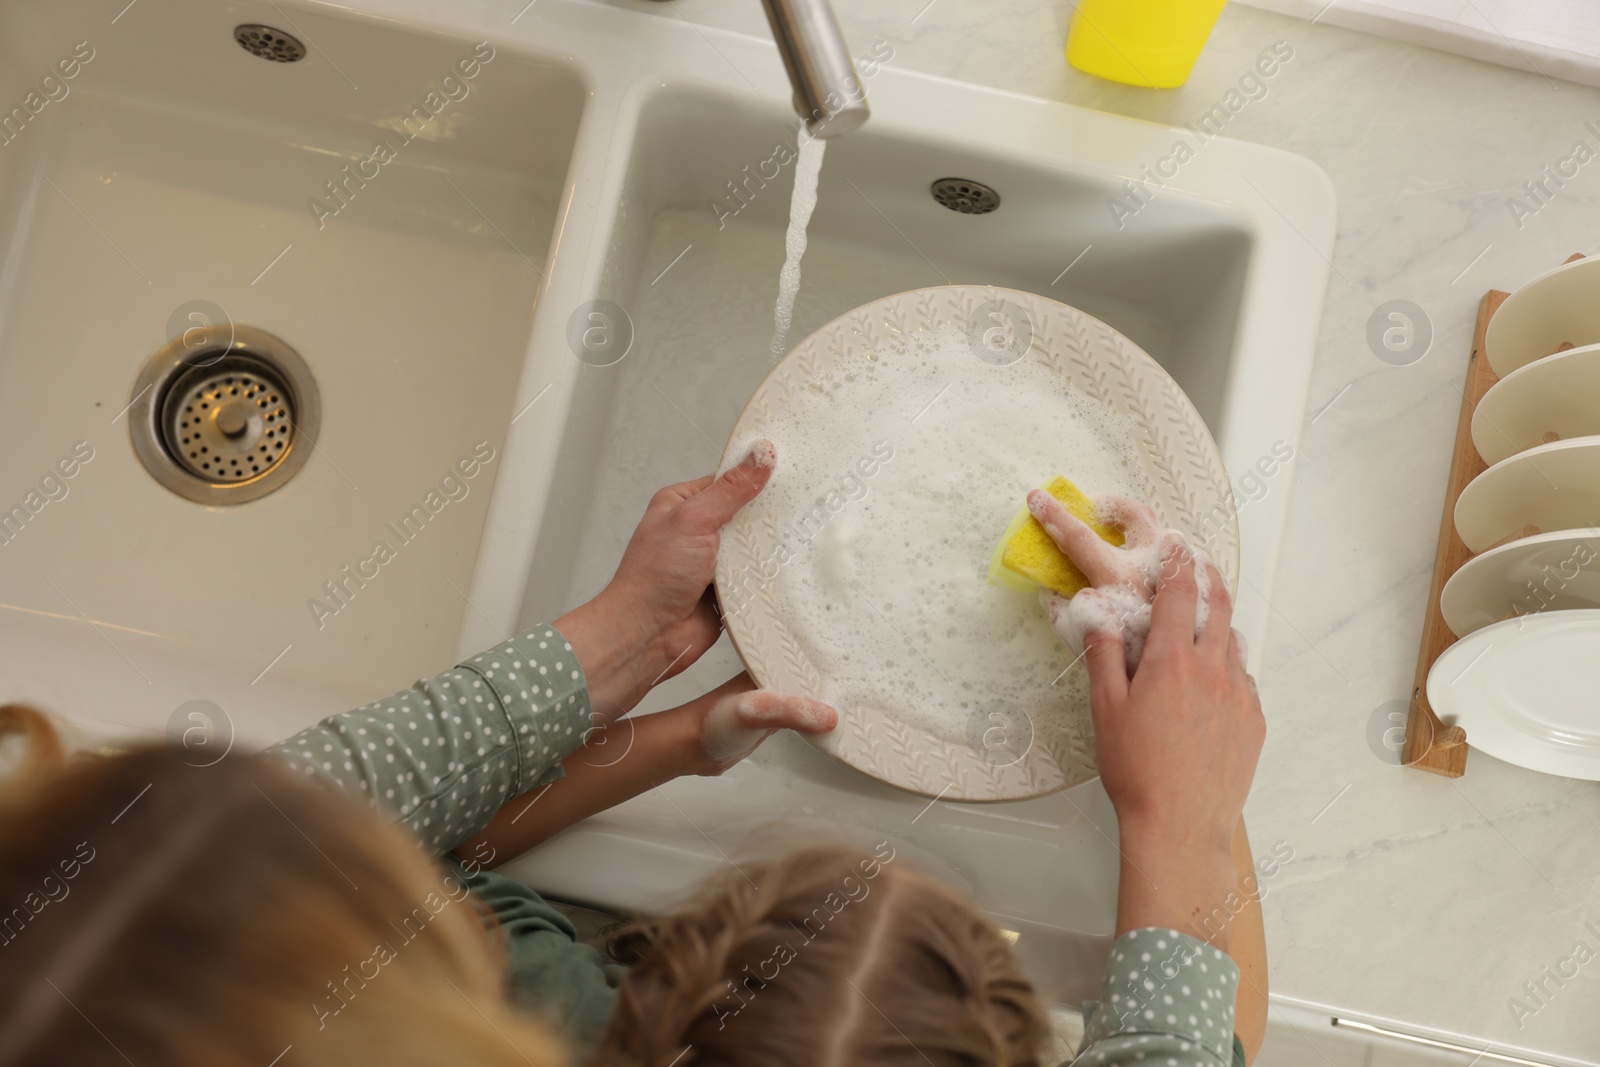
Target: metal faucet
[{"x": 828, "y": 93}]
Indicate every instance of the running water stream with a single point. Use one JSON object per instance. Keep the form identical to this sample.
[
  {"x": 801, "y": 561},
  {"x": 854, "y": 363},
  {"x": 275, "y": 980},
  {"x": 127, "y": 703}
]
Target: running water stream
[{"x": 806, "y": 171}]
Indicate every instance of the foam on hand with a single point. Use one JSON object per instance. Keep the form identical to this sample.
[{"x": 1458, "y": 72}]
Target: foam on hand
[
  {"x": 738, "y": 722},
  {"x": 1124, "y": 609}
]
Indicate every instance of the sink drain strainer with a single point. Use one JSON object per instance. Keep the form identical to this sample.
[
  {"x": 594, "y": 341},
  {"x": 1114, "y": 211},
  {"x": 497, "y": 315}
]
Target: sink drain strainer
[
  {"x": 224, "y": 414},
  {"x": 269, "y": 42},
  {"x": 966, "y": 196}
]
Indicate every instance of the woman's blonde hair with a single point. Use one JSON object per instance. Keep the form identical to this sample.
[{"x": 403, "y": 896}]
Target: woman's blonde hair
[
  {"x": 827, "y": 956},
  {"x": 156, "y": 912}
]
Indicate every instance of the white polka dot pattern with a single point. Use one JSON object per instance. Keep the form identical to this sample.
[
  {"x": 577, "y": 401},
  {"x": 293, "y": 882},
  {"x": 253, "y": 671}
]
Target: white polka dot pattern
[
  {"x": 444, "y": 755},
  {"x": 1167, "y": 998}
]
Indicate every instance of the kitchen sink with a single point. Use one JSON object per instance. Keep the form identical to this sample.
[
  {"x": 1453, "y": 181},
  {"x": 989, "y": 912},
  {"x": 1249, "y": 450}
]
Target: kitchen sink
[
  {"x": 181, "y": 181},
  {"x": 609, "y": 168},
  {"x": 689, "y": 274}
]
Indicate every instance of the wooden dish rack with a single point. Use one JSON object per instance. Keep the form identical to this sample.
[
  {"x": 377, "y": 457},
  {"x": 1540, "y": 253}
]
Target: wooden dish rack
[{"x": 1430, "y": 745}]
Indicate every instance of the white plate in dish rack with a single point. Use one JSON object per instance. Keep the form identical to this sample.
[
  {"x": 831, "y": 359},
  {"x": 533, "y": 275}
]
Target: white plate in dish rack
[
  {"x": 1560, "y": 306},
  {"x": 1555, "y": 487},
  {"x": 1178, "y": 459},
  {"x": 1525, "y": 690},
  {"x": 1546, "y": 572},
  {"x": 1559, "y": 393}
]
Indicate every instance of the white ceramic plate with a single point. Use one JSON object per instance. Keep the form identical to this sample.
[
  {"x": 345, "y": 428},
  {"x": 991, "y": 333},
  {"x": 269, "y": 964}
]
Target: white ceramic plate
[
  {"x": 1559, "y": 306},
  {"x": 1556, "y": 487},
  {"x": 1559, "y": 393},
  {"x": 1524, "y": 690},
  {"x": 1546, "y": 572},
  {"x": 1178, "y": 458}
]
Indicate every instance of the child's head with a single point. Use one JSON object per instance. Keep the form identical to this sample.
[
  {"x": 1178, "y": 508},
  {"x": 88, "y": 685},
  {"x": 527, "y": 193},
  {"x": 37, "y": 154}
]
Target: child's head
[
  {"x": 158, "y": 912},
  {"x": 826, "y": 957}
]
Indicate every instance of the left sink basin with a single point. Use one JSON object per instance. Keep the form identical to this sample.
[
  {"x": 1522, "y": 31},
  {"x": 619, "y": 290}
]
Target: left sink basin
[{"x": 385, "y": 206}]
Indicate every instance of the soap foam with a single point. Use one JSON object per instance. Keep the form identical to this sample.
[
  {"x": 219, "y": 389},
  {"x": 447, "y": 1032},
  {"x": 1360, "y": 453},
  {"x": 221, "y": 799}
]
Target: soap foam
[
  {"x": 739, "y": 722},
  {"x": 1124, "y": 610},
  {"x": 897, "y": 471}
]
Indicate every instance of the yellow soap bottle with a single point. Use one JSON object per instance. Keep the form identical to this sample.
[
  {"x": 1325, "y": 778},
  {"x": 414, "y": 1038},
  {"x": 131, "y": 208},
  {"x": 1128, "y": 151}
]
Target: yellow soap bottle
[{"x": 1153, "y": 43}]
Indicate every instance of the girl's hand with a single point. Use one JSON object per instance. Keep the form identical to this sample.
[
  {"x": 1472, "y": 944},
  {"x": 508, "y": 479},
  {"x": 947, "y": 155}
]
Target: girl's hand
[
  {"x": 706, "y": 736},
  {"x": 730, "y": 721},
  {"x": 658, "y": 615}
]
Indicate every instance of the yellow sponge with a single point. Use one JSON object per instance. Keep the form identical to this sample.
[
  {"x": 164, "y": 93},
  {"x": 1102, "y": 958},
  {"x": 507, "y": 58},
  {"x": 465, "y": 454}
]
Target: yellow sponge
[{"x": 1026, "y": 557}]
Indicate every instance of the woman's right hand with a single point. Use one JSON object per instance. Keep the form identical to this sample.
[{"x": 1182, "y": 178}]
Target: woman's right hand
[
  {"x": 1193, "y": 699},
  {"x": 657, "y": 615},
  {"x": 1178, "y": 741},
  {"x": 1122, "y": 580},
  {"x": 1177, "y": 747}
]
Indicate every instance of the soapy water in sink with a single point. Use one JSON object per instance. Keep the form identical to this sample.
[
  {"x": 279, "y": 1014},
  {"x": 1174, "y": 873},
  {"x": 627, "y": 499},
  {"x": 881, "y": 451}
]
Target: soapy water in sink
[
  {"x": 891, "y": 508},
  {"x": 807, "y": 170}
]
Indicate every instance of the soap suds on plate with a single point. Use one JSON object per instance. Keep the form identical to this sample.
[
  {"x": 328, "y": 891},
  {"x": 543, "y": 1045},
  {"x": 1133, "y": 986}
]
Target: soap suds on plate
[{"x": 898, "y": 469}]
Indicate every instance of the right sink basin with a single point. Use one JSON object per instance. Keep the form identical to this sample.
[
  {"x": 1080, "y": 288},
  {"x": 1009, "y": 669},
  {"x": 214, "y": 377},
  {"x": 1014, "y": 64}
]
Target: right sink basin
[{"x": 1218, "y": 272}]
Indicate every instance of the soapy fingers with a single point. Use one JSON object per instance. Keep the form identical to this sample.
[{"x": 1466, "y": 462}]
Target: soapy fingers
[
  {"x": 1177, "y": 741},
  {"x": 718, "y": 500},
  {"x": 1094, "y": 557},
  {"x": 1173, "y": 615},
  {"x": 1101, "y": 562},
  {"x": 1106, "y": 657},
  {"x": 1125, "y": 581},
  {"x": 743, "y": 716},
  {"x": 1137, "y": 521}
]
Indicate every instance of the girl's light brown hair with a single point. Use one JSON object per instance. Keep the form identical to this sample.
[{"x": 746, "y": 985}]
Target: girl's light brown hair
[
  {"x": 230, "y": 916},
  {"x": 825, "y": 957}
]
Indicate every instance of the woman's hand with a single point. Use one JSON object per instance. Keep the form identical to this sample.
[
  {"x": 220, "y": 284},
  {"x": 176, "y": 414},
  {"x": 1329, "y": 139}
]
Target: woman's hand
[
  {"x": 1123, "y": 580},
  {"x": 1177, "y": 746},
  {"x": 1177, "y": 722},
  {"x": 1177, "y": 743},
  {"x": 1100, "y": 561},
  {"x": 658, "y": 615}
]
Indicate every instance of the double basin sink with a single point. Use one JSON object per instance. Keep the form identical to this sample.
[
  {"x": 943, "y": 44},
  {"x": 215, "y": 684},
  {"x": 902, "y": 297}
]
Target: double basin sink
[{"x": 436, "y": 209}]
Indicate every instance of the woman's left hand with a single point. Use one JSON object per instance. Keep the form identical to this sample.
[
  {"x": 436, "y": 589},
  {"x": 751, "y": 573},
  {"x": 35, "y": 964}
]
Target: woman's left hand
[{"x": 658, "y": 614}]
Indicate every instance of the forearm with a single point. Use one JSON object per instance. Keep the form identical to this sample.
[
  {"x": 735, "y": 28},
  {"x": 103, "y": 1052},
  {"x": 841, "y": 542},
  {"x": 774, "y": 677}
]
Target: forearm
[
  {"x": 1248, "y": 947},
  {"x": 1176, "y": 878},
  {"x": 443, "y": 755},
  {"x": 620, "y": 653},
  {"x": 628, "y": 758}
]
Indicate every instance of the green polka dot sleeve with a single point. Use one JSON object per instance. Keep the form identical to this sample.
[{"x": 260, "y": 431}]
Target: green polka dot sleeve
[
  {"x": 1166, "y": 1001},
  {"x": 446, "y": 754}
]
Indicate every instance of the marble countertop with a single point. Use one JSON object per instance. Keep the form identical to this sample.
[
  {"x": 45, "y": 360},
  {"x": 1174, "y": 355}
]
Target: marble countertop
[{"x": 1413, "y": 901}]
